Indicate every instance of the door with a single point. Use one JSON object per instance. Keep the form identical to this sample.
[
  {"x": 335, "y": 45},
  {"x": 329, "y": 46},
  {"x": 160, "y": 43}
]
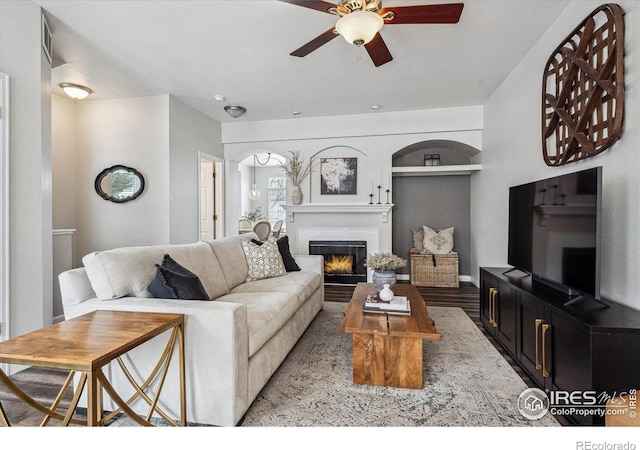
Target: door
[
  {"x": 505, "y": 317},
  {"x": 207, "y": 200},
  {"x": 531, "y": 315},
  {"x": 211, "y": 197}
]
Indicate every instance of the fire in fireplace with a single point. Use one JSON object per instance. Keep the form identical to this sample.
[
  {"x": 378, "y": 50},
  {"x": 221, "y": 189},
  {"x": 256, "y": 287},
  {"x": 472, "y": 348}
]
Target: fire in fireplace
[{"x": 343, "y": 260}]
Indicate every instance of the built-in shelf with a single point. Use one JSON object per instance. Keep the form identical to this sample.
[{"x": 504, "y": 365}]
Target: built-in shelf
[
  {"x": 338, "y": 208},
  {"x": 423, "y": 171}
]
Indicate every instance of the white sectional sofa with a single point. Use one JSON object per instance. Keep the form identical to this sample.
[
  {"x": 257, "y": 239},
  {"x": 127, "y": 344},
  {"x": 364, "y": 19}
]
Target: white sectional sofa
[{"x": 234, "y": 342}]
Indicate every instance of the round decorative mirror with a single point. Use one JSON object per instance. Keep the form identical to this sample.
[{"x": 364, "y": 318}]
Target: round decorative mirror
[{"x": 119, "y": 184}]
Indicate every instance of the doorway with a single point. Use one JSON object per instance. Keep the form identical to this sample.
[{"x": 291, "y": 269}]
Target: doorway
[{"x": 211, "y": 197}]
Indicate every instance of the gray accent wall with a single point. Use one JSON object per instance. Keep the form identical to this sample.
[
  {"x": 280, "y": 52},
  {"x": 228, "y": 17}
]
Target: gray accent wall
[{"x": 435, "y": 201}]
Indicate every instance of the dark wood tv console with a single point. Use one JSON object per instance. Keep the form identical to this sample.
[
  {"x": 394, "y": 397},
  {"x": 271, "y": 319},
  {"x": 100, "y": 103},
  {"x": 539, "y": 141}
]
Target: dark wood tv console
[{"x": 588, "y": 346}]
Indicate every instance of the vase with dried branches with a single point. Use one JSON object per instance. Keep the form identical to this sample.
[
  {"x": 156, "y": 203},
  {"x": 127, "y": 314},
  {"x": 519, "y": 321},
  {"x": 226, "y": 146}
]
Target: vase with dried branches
[{"x": 296, "y": 171}]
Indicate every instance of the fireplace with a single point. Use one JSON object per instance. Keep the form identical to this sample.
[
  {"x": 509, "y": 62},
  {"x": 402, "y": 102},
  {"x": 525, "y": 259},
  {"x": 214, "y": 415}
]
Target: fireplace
[{"x": 343, "y": 260}]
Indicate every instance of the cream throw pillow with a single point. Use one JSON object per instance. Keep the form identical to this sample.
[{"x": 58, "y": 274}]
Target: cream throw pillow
[
  {"x": 264, "y": 260},
  {"x": 438, "y": 242}
]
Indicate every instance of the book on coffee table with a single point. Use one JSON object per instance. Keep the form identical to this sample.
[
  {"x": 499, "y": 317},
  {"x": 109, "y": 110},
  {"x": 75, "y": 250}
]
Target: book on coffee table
[{"x": 399, "y": 305}]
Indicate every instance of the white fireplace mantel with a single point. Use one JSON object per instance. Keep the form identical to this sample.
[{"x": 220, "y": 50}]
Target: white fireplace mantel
[{"x": 338, "y": 208}]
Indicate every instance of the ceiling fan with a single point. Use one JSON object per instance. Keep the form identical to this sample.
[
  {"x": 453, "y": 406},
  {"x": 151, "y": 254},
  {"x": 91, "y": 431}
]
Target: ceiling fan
[{"x": 361, "y": 20}]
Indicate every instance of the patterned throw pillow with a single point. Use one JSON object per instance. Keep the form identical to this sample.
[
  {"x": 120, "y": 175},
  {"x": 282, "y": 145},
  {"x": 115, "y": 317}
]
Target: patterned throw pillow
[
  {"x": 418, "y": 239},
  {"x": 290, "y": 264},
  {"x": 264, "y": 260},
  {"x": 438, "y": 242}
]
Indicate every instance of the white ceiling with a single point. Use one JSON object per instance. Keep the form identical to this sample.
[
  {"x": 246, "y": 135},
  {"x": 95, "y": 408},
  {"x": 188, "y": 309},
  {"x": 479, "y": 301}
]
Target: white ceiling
[{"x": 240, "y": 49}]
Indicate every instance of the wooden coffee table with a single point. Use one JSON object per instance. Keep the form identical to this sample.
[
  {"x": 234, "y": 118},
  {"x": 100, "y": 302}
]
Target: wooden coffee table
[
  {"x": 86, "y": 344},
  {"x": 387, "y": 348}
]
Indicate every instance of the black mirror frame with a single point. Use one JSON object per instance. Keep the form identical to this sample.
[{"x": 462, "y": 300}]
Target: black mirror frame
[{"x": 105, "y": 172}]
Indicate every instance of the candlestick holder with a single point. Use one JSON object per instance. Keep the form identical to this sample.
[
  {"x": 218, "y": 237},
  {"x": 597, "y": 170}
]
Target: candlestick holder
[
  {"x": 371, "y": 198},
  {"x": 388, "y": 191},
  {"x": 379, "y": 202}
]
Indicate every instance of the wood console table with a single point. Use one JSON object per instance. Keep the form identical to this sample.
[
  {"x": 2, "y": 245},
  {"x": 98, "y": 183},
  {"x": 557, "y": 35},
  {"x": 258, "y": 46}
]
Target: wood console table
[
  {"x": 86, "y": 344},
  {"x": 387, "y": 348}
]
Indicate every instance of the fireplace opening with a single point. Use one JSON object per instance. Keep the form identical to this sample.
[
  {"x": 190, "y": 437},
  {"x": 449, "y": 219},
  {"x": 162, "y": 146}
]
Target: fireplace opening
[{"x": 343, "y": 260}]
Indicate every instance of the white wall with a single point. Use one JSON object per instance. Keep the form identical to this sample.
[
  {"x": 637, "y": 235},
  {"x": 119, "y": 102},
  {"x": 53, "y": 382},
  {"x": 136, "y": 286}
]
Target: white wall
[
  {"x": 64, "y": 161},
  {"x": 22, "y": 58},
  {"x": 373, "y": 138},
  {"x": 159, "y": 136},
  {"x": 133, "y": 132},
  {"x": 189, "y": 132},
  {"x": 512, "y": 155}
]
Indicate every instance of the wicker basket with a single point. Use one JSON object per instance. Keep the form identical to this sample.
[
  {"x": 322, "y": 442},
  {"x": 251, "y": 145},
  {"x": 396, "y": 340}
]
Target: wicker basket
[{"x": 443, "y": 274}]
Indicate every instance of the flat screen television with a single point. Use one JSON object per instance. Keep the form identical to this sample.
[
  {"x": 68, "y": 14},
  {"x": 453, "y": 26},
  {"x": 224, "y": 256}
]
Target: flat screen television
[{"x": 554, "y": 231}]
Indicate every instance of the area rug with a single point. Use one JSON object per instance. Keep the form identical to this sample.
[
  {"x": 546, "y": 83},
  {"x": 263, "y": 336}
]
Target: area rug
[{"x": 466, "y": 383}]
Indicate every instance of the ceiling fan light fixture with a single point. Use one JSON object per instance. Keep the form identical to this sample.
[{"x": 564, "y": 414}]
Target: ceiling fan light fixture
[
  {"x": 75, "y": 91},
  {"x": 359, "y": 27},
  {"x": 235, "y": 111}
]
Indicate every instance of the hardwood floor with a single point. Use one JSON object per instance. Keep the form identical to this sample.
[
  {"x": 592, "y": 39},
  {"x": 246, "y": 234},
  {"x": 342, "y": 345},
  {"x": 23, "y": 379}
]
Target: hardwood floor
[{"x": 45, "y": 383}]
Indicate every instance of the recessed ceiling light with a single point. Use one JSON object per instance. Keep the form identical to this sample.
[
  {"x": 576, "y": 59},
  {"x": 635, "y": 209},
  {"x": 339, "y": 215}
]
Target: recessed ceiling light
[
  {"x": 375, "y": 107},
  {"x": 219, "y": 98}
]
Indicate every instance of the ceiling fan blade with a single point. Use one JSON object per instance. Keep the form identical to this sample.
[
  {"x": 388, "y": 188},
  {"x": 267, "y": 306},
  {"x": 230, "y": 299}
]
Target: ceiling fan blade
[
  {"x": 444, "y": 13},
  {"x": 318, "y": 5},
  {"x": 378, "y": 51},
  {"x": 314, "y": 44}
]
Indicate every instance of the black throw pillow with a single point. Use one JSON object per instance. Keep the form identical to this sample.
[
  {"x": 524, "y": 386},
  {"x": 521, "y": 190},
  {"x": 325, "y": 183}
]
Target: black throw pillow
[
  {"x": 290, "y": 263},
  {"x": 175, "y": 281}
]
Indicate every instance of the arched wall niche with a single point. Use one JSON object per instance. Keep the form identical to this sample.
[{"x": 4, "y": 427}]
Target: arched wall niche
[
  {"x": 435, "y": 201},
  {"x": 363, "y": 177},
  {"x": 451, "y": 153}
]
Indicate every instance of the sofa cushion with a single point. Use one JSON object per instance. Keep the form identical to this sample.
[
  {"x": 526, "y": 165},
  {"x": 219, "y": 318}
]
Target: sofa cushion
[
  {"x": 175, "y": 281},
  {"x": 267, "y": 312},
  {"x": 128, "y": 271},
  {"x": 301, "y": 284},
  {"x": 229, "y": 250},
  {"x": 289, "y": 262},
  {"x": 264, "y": 260}
]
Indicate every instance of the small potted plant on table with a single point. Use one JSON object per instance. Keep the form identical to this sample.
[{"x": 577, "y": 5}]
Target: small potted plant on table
[{"x": 384, "y": 266}]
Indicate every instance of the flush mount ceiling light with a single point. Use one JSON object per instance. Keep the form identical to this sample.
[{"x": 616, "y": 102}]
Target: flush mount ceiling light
[
  {"x": 235, "y": 111},
  {"x": 75, "y": 91}
]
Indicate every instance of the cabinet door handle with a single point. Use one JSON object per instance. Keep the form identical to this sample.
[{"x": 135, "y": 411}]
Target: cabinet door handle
[
  {"x": 538, "y": 365},
  {"x": 491, "y": 305},
  {"x": 545, "y": 328},
  {"x": 494, "y": 296},
  {"x": 492, "y": 299}
]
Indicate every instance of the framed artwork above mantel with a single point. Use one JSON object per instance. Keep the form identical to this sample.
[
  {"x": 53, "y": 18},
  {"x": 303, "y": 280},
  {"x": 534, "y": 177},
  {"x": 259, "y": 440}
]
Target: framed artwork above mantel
[{"x": 338, "y": 176}]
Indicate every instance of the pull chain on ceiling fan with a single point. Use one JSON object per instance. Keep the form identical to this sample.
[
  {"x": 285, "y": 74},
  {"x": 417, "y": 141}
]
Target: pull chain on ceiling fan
[{"x": 361, "y": 21}]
